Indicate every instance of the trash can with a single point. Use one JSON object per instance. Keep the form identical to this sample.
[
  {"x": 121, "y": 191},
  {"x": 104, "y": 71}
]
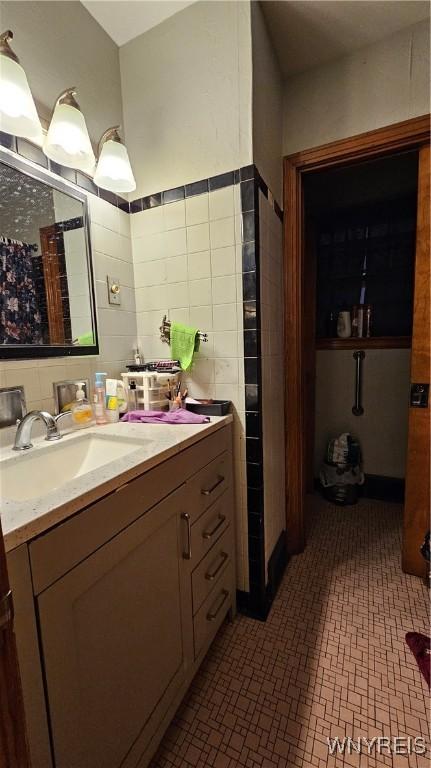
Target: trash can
[{"x": 341, "y": 472}]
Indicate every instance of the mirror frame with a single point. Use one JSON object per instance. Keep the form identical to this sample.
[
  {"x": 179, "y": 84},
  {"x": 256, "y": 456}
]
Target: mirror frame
[{"x": 27, "y": 351}]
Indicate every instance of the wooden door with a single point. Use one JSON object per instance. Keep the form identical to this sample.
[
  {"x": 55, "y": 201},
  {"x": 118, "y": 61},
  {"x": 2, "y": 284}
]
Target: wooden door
[
  {"x": 52, "y": 246},
  {"x": 417, "y": 498},
  {"x": 407, "y": 135},
  {"x": 13, "y": 742},
  {"x": 112, "y": 642}
]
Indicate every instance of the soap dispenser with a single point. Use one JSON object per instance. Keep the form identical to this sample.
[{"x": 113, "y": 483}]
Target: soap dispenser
[{"x": 82, "y": 412}]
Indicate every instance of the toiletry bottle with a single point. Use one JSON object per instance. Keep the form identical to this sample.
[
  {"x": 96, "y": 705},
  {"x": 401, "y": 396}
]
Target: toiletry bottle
[
  {"x": 137, "y": 356},
  {"x": 132, "y": 402},
  {"x": 112, "y": 412},
  {"x": 82, "y": 412},
  {"x": 99, "y": 398}
]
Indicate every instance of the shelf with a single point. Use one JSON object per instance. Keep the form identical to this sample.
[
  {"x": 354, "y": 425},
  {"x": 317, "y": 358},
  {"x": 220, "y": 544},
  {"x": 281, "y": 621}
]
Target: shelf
[{"x": 374, "y": 342}]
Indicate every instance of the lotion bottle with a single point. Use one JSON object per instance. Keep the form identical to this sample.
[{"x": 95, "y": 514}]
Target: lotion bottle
[{"x": 99, "y": 398}]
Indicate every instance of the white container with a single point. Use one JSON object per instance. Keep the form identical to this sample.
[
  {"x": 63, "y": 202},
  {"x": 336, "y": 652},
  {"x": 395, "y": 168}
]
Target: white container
[
  {"x": 344, "y": 326},
  {"x": 152, "y": 388}
]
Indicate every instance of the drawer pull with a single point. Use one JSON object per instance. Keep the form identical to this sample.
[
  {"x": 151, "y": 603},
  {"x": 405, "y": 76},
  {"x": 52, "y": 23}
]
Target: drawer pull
[
  {"x": 209, "y": 491},
  {"x": 210, "y": 534},
  {"x": 214, "y": 612},
  {"x": 210, "y": 575},
  {"x": 188, "y": 554}
]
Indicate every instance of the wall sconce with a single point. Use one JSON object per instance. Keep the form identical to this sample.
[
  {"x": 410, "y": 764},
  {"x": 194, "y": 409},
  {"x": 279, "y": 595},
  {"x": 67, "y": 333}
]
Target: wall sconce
[
  {"x": 18, "y": 114},
  {"x": 113, "y": 170},
  {"x": 67, "y": 141}
]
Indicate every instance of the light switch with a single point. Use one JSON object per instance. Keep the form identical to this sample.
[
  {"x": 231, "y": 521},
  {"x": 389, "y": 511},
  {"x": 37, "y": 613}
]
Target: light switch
[{"x": 114, "y": 290}]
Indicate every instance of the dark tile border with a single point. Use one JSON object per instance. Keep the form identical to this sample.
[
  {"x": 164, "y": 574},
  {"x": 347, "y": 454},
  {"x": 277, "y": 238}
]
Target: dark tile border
[
  {"x": 32, "y": 152},
  {"x": 248, "y": 173},
  {"x": 248, "y": 177}
]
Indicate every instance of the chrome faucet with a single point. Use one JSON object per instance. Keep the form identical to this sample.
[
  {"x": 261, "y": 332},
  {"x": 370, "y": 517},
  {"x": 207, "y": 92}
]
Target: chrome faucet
[{"x": 23, "y": 432}]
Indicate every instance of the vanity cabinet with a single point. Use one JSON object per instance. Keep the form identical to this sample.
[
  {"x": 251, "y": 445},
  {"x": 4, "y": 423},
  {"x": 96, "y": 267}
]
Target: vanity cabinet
[
  {"x": 111, "y": 639},
  {"x": 129, "y": 595}
]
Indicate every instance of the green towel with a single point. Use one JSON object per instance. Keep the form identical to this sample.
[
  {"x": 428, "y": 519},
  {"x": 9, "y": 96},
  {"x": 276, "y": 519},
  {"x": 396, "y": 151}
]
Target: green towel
[
  {"x": 184, "y": 343},
  {"x": 86, "y": 339}
]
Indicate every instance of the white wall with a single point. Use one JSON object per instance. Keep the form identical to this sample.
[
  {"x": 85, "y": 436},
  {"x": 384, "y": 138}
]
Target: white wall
[
  {"x": 267, "y": 106},
  {"x": 378, "y": 85},
  {"x": 187, "y": 265},
  {"x": 187, "y": 96},
  {"x": 273, "y": 378},
  {"x": 60, "y": 45},
  {"x": 382, "y": 430}
]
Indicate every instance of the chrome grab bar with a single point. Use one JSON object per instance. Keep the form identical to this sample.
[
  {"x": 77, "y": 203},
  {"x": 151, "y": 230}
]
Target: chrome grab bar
[{"x": 357, "y": 409}]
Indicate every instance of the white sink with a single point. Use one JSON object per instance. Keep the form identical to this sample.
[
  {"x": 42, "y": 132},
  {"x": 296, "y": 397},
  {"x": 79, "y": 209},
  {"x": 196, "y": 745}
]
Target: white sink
[{"x": 44, "y": 469}]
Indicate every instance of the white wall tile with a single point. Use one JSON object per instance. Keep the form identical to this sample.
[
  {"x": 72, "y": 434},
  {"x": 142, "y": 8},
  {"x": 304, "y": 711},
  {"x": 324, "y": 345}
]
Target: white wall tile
[
  {"x": 147, "y": 222},
  {"x": 198, "y": 238},
  {"x": 177, "y": 295},
  {"x": 221, "y": 203},
  {"x": 223, "y": 261},
  {"x": 201, "y": 317},
  {"x": 176, "y": 269},
  {"x": 174, "y": 242},
  {"x": 200, "y": 292},
  {"x": 222, "y": 232},
  {"x": 225, "y": 317},
  {"x": 224, "y": 290},
  {"x": 198, "y": 265},
  {"x": 197, "y": 210},
  {"x": 226, "y": 371},
  {"x": 174, "y": 215}
]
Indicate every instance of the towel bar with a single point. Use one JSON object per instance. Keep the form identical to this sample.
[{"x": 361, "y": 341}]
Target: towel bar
[{"x": 165, "y": 332}]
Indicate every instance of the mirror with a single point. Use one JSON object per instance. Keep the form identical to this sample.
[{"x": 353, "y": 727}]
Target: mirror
[{"x": 46, "y": 285}]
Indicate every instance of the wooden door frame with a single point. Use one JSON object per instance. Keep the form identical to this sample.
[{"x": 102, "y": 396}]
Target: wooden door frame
[{"x": 409, "y": 134}]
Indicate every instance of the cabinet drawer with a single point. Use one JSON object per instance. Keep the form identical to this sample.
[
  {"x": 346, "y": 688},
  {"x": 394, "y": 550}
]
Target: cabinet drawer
[
  {"x": 205, "y": 577},
  {"x": 212, "y": 612},
  {"x": 210, "y": 526},
  {"x": 208, "y": 485}
]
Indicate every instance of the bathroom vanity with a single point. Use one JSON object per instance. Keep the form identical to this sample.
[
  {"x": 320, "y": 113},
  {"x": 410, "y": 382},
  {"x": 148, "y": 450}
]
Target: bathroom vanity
[{"x": 119, "y": 591}]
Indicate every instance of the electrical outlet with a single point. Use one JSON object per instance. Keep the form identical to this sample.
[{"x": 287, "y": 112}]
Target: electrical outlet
[{"x": 114, "y": 290}]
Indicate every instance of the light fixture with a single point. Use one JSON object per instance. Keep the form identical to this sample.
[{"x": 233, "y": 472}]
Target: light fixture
[
  {"x": 18, "y": 114},
  {"x": 113, "y": 170},
  {"x": 67, "y": 141}
]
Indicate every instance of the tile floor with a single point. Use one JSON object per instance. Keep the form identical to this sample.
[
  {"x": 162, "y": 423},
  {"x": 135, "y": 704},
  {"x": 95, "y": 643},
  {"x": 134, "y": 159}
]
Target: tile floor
[{"x": 331, "y": 659}]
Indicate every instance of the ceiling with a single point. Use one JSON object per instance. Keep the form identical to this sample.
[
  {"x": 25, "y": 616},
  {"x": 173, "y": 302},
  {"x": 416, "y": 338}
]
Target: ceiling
[
  {"x": 305, "y": 33},
  {"x": 125, "y": 19},
  {"x": 308, "y": 33}
]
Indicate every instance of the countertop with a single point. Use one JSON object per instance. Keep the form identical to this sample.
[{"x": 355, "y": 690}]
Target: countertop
[{"x": 23, "y": 520}]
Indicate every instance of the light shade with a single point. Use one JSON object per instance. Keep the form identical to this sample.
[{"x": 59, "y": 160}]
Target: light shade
[
  {"x": 113, "y": 170},
  {"x": 67, "y": 141},
  {"x": 18, "y": 114}
]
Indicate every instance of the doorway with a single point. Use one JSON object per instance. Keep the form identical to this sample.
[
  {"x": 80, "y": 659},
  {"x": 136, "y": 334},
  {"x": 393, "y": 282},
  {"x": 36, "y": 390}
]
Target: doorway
[{"x": 308, "y": 314}]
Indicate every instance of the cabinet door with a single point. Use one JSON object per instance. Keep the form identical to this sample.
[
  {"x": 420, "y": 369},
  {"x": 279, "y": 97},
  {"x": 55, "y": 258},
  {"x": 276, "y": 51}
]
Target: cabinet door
[{"x": 112, "y": 642}]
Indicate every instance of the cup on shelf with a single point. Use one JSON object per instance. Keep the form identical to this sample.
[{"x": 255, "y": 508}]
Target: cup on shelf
[{"x": 344, "y": 325}]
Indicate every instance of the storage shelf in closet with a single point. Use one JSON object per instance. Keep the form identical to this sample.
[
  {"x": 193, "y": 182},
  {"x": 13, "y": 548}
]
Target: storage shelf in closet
[{"x": 374, "y": 342}]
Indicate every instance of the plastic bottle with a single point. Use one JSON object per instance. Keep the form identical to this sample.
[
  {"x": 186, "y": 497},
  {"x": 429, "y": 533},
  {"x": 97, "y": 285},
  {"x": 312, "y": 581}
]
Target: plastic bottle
[
  {"x": 99, "y": 397},
  {"x": 82, "y": 412},
  {"x": 132, "y": 402},
  {"x": 112, "y": 411}
]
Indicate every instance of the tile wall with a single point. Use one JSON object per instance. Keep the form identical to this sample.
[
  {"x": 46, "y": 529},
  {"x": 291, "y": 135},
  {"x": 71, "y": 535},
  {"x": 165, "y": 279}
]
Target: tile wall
[
  {"x": 187, "y": 259},
  {"x": 273, "y": 374}
]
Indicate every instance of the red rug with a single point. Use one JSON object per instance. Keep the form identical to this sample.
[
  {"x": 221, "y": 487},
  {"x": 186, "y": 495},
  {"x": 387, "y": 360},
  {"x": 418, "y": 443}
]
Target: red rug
[{"x": 420, "y": 646}]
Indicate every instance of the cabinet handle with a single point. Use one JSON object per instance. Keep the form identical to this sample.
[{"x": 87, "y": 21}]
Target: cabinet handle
[
  {"x": 209, "y": 491},
  {"x": 210, "y": 575},
  {"x": 210, "y": 534},
  {"x": 214, "y": 612},
  {"x": 187, "y": 555}
]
